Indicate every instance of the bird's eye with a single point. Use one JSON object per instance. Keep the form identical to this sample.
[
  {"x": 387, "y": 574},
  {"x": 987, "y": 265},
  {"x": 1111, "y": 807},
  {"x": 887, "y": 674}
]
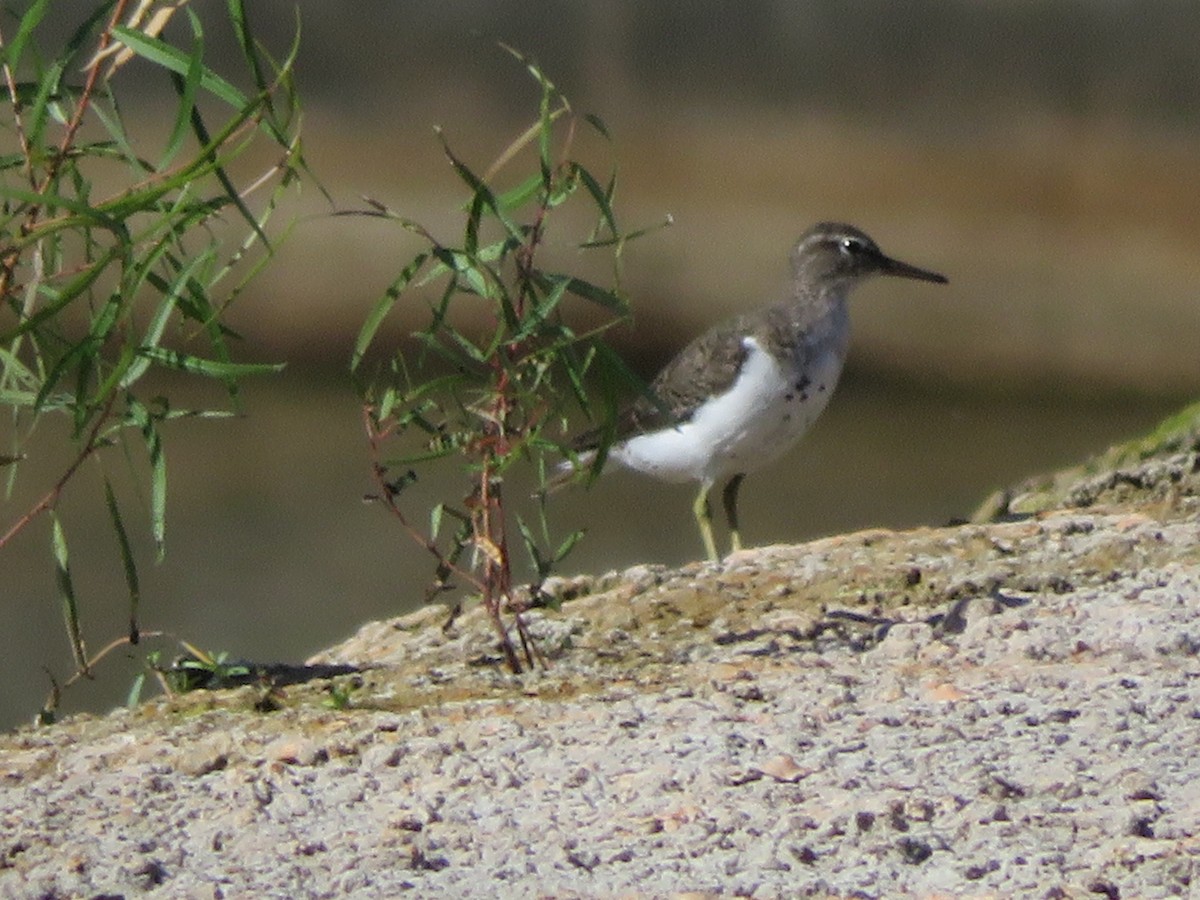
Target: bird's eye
[{"x": 850, "y": 245}]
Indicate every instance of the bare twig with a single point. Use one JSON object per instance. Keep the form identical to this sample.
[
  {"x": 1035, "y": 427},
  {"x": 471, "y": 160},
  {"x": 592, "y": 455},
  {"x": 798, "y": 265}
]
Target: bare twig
[
  {"x": 90, "y": 446},
  {"x": 387, "y": 496},
  {"x": 55, "y": 696}
]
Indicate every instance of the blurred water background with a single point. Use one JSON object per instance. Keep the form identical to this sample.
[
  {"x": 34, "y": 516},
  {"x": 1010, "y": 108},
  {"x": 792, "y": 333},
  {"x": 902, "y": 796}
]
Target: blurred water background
[{"x": 1044, "y": 154}]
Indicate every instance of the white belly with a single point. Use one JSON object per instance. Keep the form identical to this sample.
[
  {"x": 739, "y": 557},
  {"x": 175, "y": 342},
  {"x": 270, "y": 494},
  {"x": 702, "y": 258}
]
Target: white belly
[{"x": 766, "y": 411}]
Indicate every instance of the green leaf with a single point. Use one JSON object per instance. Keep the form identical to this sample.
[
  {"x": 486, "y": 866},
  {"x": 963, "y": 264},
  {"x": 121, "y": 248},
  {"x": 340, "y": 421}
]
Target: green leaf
[
  {"x": 158, "y": 491},
  {"x": 126, "y": 356},
  {"x": 434, "y": 385},
  {"x": 540, "y": 565},
  {"x": 240, "y": 19},
  {"x": 119, "y": 147},
  {"x": 488, "y": 254},
  {"x": 546, "y": 117},
  {"x": 66, "y": 591},
  {"x": 561, "y": 190},
  {"x": 127, "y": 560},
  {"x": 12, "y": 54},
  {"x": 175, "y": 60},
  {"x": 479, "y": 188},
  {"x": 471, "y": 235},
  {"x": 15, "y": 374},
  {"x": 521, "y": 194},
  {"x": 428, "y": 337},
  {"x": 217, "y": 168},
  {"x": 567, "y": 546},
  {"x": 38, "y": 112},
  {"x": 596, "y": 122},
  {"x": 534, "y": 322},
  {"x": 467, "y": 346},
  {"x": 387, "y": 402},
  {"x": 186, "y": 86},
  {"x": 478, "y": 280},
  {"x": 134, "y": 695},
  {"x": 611, "y": 364},
  {"x": 185, "y": 362},
  {"x": 82, "y": 357},
  {"x": 383, "y": 306},
  {"x": 545, "y": 129},
  {"x": 621, "y": 240},
  {"x": 69, "y": 292},
  {"x": 162, "y": 314},
  {"x": 85, "y": 213},
  {"x": 146, "y": 422},
  {"x": 602, "y": 197},
  {"x": 576, "y": 368},
  {"x": 610, "y": 300}
]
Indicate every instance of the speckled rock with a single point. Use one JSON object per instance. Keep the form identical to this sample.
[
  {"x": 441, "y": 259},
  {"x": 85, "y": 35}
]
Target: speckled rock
[{"x": 1006, "y": 708}]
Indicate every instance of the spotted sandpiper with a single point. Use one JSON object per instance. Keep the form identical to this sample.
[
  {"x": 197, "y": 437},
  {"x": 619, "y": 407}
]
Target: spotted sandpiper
[{"x": 741, "y": 394}]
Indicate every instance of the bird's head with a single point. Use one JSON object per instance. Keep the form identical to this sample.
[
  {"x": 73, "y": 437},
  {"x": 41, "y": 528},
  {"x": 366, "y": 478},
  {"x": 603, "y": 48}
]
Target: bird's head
[{"x": 834, "y": 254}]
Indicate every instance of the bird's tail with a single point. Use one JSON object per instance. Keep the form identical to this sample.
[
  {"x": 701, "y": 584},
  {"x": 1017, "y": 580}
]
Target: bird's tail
[{"x": 566, "y": 472}]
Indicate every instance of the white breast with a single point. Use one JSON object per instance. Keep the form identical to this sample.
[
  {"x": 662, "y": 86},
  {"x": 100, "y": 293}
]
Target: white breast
[{"x": 764, "y": 413}]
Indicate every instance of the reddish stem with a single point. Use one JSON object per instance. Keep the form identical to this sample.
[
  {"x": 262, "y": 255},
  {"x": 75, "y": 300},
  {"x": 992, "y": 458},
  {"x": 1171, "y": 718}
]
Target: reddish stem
[{"x": 90, "y": 446}]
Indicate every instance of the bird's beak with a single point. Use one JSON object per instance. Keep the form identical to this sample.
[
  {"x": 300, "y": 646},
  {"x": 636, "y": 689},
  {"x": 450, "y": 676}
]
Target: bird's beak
[{"x": 889, "y": 266}]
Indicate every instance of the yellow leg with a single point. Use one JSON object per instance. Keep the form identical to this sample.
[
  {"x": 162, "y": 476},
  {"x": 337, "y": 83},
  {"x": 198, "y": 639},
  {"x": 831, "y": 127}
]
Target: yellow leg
[
  {"x": 729, "y": 499},
  {"x": 703, "y": 514}
]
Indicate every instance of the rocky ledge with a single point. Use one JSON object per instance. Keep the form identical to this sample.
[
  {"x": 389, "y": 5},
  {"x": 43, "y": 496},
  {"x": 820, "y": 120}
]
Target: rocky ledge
[{"x": 1008, "y": 707}]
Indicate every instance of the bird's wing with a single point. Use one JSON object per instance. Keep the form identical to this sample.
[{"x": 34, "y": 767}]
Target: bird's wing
[{"x": 708, "y": 365}]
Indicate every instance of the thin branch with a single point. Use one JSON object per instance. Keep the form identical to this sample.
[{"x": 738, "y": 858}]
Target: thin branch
[
  {"x": 55, "y": 697},
  {"x": 89, "y": 85},
  {"x": 14, "y": 98},
  {"x": 375, "y": 437},
  {"x": 90, "y": 446},
  {"x": 8, "y": 265}
]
